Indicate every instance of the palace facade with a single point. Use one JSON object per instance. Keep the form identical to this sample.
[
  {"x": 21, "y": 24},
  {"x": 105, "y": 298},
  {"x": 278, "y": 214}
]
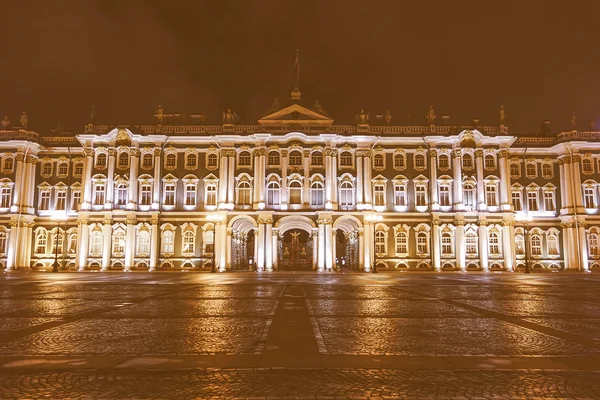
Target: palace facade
[{"x": 297, "y": 192}]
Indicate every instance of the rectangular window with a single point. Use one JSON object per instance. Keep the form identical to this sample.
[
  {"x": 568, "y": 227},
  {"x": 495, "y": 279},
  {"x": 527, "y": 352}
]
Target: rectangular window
[
  {"x": 169, "y": 194},
  {"x": 549, "y": 201},
  {"x": 190, "y": 195},
  {"x": 45, "y": 200},
  {"x": 588, "y": 197},
  {"x": 445, "y": 195},
  {"x": 379, "y": 194},
  {"x": 420, "y": 195},
  {"x": 532, "y": 201},
  {"x": 146, "y": 195},
  {"x": 517, "y": 201},
  {"x": 99, "y": 194},
  {"x": 168, "y": 242},
  {"x": 76, "y": 203},
  {"x": 471, "y": 244},
  {"x": 61, "y": 201},
  {"x": 400, "y": 195},
  {"x": 490, "y": 196},
  {"x": 211, "y": 195},
  {"x": 5, "y": 197},
  {"x": 78, "y": 170}
]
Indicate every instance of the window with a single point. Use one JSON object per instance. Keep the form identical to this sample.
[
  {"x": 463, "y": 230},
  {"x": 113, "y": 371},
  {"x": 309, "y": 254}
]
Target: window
[
  {"x": 273, "y": 193},
  {"x": 494, "y": 243},
  {"x": 379, "y": 194},
  {"x": 586, "y": 166},
  {"x": 191, "y": 161},
  {"x": 78, "y": 170},
  {"x": 244, "y": 159},
  {"x": 123, "y": 160},
  {"x": 552, "y": 243},
  {"x": 399, "y": 161},
  {"x": 400, "y": 194},
  {"x": 467, "y": 161},
  {"x": 99, "y": 194},
  {"x": 490, "y": 161},
  {"x": 146, "y": 194},
  {"x": 295, "y": 189},
  {"x": 169, "y": 194},
  {"x": 422, "y": 243},
  {"x": 420, "y": 195},
  {"x": 211, "y": 160},
  {"x": 118, "y": 242},
  {"x": 121, "y": 194},
  {"x": 101, "y": 160},
  {"x": 532, "y": 200},
  {"x": 419, "y": 160},
  {"x": 189, "y": 240},
  {"x": 547, "y": 171},
  {"x": 72, "y": 245},
  {"x": 531, "y": 170},
  {"x": 380, "y": 247},
  {"x": 168, "y": 242},
  {"x": 2, "y": 242},
  {"x": 536, "y": 245},
  {"x": 378, "y": 161},
  {"x": 171, "y": 161},
  {"x": 549, "y": 204},
  {"x": 63, "y": 169},
  {"x": 346, "y": 159},
  {"x": 469, "y": 195},
  {"x": 346, "y": 195},
  {"x": 45, "y": 200},
  {"x": 446, "y": 244},
  {"x": 61, "y": 200},
  {"x": 517, "y": 201},
  {"x": 445, "y": 195},
  {"x": 519, "y": 245},
  {"x": 471, "y": 243},
  {"x": 594, "y": 244},
  {"x": 401, "y": 243},
  {"x": 9, "y": 163},
  {"x": 491, "y": 195},
  {"x": 47, "y": 169},
  {"x": 316, "y": 158},
  {"x": 5, "y": 194},
  {"x": 96, "y": 242},
  {"x": 244, "y": 193},
  {"x": 444, "y": 161},
  {"x": 209, "y": 241},
  {"x": 143, "y": 243},
  {"x": 295, "y": 158},
  {"x": 57, "y": 242},
  {"x": 274, "y": 159},
  {"x": 211, "y": 194},
  {"x": 76, "y": 200},
  {"x": 147, "y": 160},
  {"x": 515, "y": 171},
  {"x": 589, "y": 197},
  {"x": 190, "y": 194},
  {"x": 317, "y": 198},
  {"x": 41, "y": 241}
]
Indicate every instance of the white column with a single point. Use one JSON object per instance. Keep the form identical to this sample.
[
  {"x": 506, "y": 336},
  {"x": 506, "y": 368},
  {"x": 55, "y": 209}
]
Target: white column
[
  {"x": 458, "y": 190},
  {"x": 223, "y": 175},
  {"x": 83, "y": 244},
  {"x": 268, "y": 245},
  {"x": 154, "y": 250},
  {"x": 133, "y": 179},
  {"x": 106, "y": 243},
  {"x": 328, "y": 246},
  {"x": 460, "y": 245},
  {"x": 222, "y": 260},
  {"x": 577, "y": 182},
  {"x": 157, "y": 180},
  {"x": 129, "y": 245},
  {"x": 435, "y": 202},
  {"x": 361, "y": 243},
  {"x": 231, "y": 181},
  {"x": 334, "y": 247},
  {"x": 255, "y": 188},
  {"x": 583, "y": 252},
  {"x": 334, "y": 180},
  {"x": 19, "y": 181},
  {"x": 504, "y": 181},
  {"x": 261, "y": 184},
  {"x": 217, "y": 244},
  {"x": 483, "y": 245},
  {"x": 275, "y": 249},
  {"x": 86, "y": 180},
  {"x": 228, "y": 247},
  {"x": 564, "y": 194},
  {"x": 328, "y": 179},
  {"x": 480, "y": 189},
  {"x": 284, "y": 183},
  {"x": 31, "y": 161},
  {"x": 359, "y": 181},
  {"x": 435, "y": 234},
  {"x": 12, "y": 244},
  {"x": 508, "y": 245},
  {"x": 110, "y": 185},
  {"x": 321, "y": 258},
  {"x": 306, "y": 194},
  {"x": 315, "y": 240},
  {"x": 567, "y": 250},
  {"x": 367, "y": 179},
  {"x": 260, "y": 258},
  {"x": 366, "y": 246}
]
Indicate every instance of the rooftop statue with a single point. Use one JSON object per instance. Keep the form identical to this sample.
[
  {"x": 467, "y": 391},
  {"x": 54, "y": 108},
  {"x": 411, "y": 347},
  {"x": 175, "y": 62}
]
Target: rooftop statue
[
  {"x": 24, "y": 120},
  {"x": 230, "y": 117},
  {"x": 362, "y": 118},
  {"x": 5, "y": 122},
  {"x": 159, "y": 114},
  {"x": 387, "y": 117},
  {"x": 573, "y": 121},
  {"x": 502, "y": 115},
  {"x": 430, "y": 116},
  {"x": 317, "y": 107},
  {"x": 93, "y": 115}
]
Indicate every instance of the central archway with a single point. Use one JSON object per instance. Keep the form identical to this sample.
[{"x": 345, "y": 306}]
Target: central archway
[{"x": 295, "y": 244}]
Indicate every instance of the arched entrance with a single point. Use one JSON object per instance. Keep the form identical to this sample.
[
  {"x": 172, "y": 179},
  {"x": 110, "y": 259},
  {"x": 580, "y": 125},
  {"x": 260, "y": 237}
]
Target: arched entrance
[
  {"x": 295, "y": 251},
  {"x": 347, "y": 243},
  {"x": 242, "y": 243}
]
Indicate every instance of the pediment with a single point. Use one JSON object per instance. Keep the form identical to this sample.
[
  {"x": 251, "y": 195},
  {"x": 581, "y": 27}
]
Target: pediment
[{"x": 295, "y": 114}]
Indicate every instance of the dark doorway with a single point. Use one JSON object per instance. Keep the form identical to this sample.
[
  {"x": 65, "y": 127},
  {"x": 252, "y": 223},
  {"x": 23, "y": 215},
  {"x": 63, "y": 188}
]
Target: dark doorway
[{"x": 295, "y": 251}]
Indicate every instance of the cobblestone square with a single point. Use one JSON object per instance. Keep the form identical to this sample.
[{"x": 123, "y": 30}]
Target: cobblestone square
[{"x": 299, "y": 335}]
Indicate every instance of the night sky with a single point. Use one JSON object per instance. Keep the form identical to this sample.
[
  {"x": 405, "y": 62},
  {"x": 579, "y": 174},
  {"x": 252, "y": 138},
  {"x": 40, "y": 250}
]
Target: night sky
[{"x": 540, "y": 58}]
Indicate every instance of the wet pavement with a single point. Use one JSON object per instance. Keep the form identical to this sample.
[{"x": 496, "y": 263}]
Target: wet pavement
[{"x": 303, "y": 335}]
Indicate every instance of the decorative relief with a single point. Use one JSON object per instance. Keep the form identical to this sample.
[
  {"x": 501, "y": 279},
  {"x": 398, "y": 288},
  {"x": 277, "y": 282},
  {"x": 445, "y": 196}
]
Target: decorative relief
[{"x": 478, "y": 153}]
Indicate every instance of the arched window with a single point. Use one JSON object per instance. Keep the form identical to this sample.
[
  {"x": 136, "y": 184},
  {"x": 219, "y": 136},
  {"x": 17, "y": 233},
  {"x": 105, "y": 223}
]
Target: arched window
[
  {"x": 118, "y": 242},
  {"x": 346, "y": 195},
  {"x": 531, "y": 170},
  {"x": 123, "y": 159},
  {"x": 168, "y": 242},
  {"x": 3, "y": 237},
  {"x": 9, "y": 163},
  {"x": 41, "y": 240},
  {"x": 317, "y": 198},
  {"x": 552, "y": 243},
  {"x": 515, "y": 171},
  {"x": 586, "y": 165},
  {"x": 244, "y": 159},
  {"x": 399, "y": 161},
  {"x": 63, "y": 169},
  {"x": 121, "y": 194},
  {"x": 211, "y": 160},
  {"x": 536, "y": 245},
  {"x": 316, "y": 158},
  {"x": 147, "y": 160},
  {"x": 594, "y": 244},
  {"x": 422, "y": 243},
  {"x": 99, "y": 190},
  {"x": 57, "y": 241},
  {"x": 295, "y": 158},
  {"x": 5, "y": 196},
  {"x": 378, "y": 160},
  {"x": 401, "y": 243},
  {"x": 494, "y": 243},
  {"x": 295, "y": 189},
  {"x": 244, "y": 193},
  {"x": 490, "y": 161},
  {"x": 143, "y": 243},
  {"x": 547, "y": 172},
  {"x": 209, "y": 241},
  {"x": 471, "y": 243},
  {"x": 101, "y": 160},
  {"x": 467, "y": 161},
  {"x": 444, "y": 161},
  {"x": 380, "y": 245},
  {"x": 420, "y": 160},
  {"x": 519, "y": 245},
  {"x": 273, "y": 192},
  {"x": 346, "y": 159},
  {"x": 78, "y": 169},
  {"x": 446, "y": 244},
  {"x": 171, "y": 160},
  {"x": 96, "y": 241},
  {"x": 189, "y": 242},
  {"x": 72, "y": 245},
  {"x": 191, "y": 160},
  {"x": 274, "y": 158}
]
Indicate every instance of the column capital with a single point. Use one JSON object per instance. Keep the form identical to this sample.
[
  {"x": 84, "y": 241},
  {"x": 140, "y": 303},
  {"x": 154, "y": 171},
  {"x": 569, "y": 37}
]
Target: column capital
[
  {"x": 107, "y": 221},
  {"x": 459, "y": 222},
  {"x": 433, "y": 152},
  {"x": 457, "y": 153},
  {"x": 112, "y": 152},
  {"x": 503, "y": 153},
  {"x": 88, "y": 152},
  {"x": 479, "y": 153},
  {"x": 135, "y": 152}
]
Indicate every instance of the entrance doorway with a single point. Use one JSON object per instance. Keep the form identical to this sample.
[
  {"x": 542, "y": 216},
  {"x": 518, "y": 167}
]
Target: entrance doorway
[
  {"x": 346, "y": 251},
  {"x": 295, "y": 251}
]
